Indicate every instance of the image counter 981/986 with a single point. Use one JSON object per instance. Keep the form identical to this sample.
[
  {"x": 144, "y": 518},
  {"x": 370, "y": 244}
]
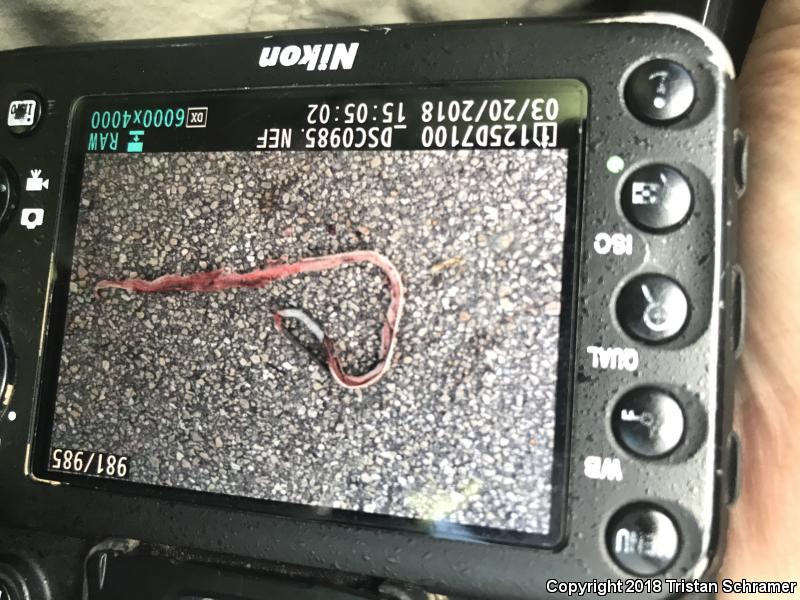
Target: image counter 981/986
[{"x": 461, "y": 123}]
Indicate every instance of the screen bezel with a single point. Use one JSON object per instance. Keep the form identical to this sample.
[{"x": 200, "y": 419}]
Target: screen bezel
[{"x": 56, "y": 321}]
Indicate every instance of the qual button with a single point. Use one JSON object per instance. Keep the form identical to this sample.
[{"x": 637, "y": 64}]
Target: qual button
[
  {"x": 648, "y": 422},
  {"x": 657, "y": 198},
  {"x": 652, "y": 308}
]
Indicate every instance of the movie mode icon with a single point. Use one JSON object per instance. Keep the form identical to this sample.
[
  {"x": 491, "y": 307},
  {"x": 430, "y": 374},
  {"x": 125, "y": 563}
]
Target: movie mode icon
[{"x": 36, "y": 183}]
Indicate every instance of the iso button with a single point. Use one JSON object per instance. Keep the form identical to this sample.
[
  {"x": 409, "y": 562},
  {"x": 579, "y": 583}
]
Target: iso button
[
  {"x": 657, "y": 198},
  {"x": 643, "y": 540},
  {"x": 659, "y": 92},
  {"x": 652, "y": 308}
]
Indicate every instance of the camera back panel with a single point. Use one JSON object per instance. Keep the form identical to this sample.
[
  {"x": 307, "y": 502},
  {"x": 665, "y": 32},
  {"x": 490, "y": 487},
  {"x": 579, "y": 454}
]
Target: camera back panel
[{"x": 558, "y": 199}]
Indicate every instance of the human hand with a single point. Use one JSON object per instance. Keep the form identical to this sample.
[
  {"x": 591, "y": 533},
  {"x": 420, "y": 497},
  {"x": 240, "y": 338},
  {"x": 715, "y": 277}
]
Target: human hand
[{"x": 764, "y": 538}]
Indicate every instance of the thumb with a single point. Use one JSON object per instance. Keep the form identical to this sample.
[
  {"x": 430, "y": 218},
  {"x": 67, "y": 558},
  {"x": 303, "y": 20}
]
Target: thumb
[{"x": 765, "y": 523}]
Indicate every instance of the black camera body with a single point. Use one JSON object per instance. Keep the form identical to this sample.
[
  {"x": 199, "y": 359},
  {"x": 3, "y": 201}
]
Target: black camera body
[{"x": 551, "y": 210}]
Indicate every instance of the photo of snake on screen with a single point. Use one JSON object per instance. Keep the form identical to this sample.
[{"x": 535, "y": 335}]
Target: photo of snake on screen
[{"x": 365, "y": 331}]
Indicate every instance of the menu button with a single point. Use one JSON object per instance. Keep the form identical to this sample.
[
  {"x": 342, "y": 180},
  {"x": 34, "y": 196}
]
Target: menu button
[{"x": 643, "y": 540}]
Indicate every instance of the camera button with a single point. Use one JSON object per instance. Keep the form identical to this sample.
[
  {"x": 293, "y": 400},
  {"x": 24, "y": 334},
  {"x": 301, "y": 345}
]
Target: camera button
[
  {"x": 648, "y": 422},
  {"x": 657, "y": 198},
  {"x": 643, "y": 540},
  {"x": 24, "y": 113},
  {"x": 652, "y": 308},
  {"x": 659, "y": 91}
]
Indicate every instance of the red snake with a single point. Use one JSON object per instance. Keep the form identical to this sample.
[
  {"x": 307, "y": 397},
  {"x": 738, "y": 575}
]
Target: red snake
[{"x": 222, "y": 279}]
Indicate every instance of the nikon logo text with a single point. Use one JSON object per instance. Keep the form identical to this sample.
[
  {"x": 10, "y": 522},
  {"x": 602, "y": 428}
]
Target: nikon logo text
[{"x": 319, "y": 57}]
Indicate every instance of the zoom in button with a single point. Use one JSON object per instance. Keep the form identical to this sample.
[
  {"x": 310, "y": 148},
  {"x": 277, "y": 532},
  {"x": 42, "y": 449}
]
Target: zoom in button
[{"x": 652, "y": 308}]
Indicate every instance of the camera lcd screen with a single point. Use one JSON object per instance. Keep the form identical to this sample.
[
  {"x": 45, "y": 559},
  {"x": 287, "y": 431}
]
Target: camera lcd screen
[{"x": 347, "y": 303}]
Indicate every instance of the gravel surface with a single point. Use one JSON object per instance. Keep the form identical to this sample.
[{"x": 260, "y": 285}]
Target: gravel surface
[{"x": 202, "y": 393}]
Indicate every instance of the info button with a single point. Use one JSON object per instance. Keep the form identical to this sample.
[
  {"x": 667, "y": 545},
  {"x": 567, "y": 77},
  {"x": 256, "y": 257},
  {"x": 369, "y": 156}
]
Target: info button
[{"x": 660, "y": 92}]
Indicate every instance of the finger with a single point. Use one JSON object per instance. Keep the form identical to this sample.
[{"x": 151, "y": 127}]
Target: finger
[{"x": 765, "y": 522}]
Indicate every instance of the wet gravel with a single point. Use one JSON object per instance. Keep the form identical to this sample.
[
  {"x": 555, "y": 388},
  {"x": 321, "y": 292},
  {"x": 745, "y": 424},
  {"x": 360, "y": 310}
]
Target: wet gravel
[{"x": 202, "y": 393}]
